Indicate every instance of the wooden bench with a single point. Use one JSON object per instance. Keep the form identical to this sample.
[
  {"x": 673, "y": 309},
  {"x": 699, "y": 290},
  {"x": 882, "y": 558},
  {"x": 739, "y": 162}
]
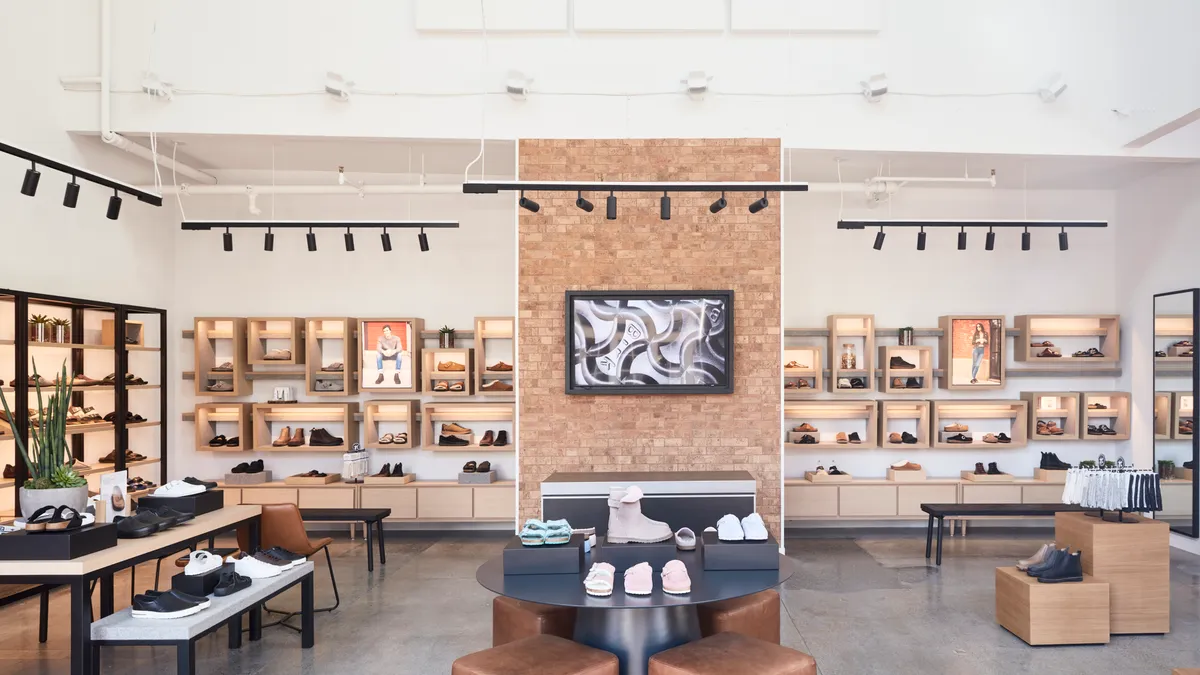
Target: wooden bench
[
  {"x": 368, "y": 517},
  {"x": 943, "y": 511}
]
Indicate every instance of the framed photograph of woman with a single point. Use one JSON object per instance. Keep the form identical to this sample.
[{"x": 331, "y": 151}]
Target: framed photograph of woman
[
  {"x": 391, "y": 350},
  {"x": 972, "y": 352}
]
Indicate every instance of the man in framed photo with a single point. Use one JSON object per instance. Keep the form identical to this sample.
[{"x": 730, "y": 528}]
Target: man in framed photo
[{"x": 388, "y": 348}]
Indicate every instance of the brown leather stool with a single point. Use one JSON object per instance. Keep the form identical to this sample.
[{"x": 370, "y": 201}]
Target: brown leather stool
[
  {"x": 541, "y": 654},
  {"x": 731, "y": 653},
  {"x": 281, "y": 525},
  {"x": 513, "y": 620},
  {"x": 755, "y": 615}
]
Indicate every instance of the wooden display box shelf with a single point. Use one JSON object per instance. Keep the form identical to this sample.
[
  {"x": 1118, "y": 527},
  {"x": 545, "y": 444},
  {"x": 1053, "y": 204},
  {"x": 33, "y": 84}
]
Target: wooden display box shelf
[
  {"x": 264, "y": 414},
  {"x": 986, "y": 478},
  {"x": 430, "y": 375},
  {"x": 890, "y": 411},
  {"x": 73, "y": 429},
  {"x": 494, "y": 342},
  {"x": 208, "y": 415},
  {"x": 434, "y": 414},
  {"x": 1183, "y": 408},
  {"x": 1056, "y": 476},
  {"x": 217, "y": 340},
  {"x": 1165, "y": 426},
  {"x": 1103, "y": 332},
  {"x": 389, "y": 480},
  {"x": 952, "y": 411},
  {"x": 813, "y": 374},
  {"x": 266, "y": 334},
  {"x": 917, "y": 476},
  {"x": 313, "y": 480},
  {"x": 814, "y": 477},
  {"x": 859, "y": 330},
  {"x": 391, "y": 411},
  {"x": 1060, "y": 407},
  {"x": 1070, "y": 613},
  {"x": 133, "y": 329},
  {"x": 921, "y": 357},
  {"x": 1115, "y": 415},
  {"x": 334, "y": 335},
  {"x": 796, "y": 412},
  {"x": 443, "y": 501}
]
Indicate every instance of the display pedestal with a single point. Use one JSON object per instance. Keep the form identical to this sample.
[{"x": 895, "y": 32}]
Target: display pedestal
[
  {"x": 1133, "y": 558},
  {"x": 1069, "y": 613}
]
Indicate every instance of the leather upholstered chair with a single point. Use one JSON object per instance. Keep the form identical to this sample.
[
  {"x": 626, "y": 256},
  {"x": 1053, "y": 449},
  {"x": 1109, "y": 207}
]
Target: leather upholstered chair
[
  {"x": 282, "y": 526},
  {"x": 541, "y": 654},
  {"x": 731, "y": 653},
  {"x": 755, "y": 615},
  {"x": 513, "y": 620}
]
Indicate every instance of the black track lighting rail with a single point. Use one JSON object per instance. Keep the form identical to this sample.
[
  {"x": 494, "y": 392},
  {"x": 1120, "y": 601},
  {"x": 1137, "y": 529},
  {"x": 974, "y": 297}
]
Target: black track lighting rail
[
  {"x": 959, "y": 223},
  {"x": 81, "y": 174},
  {"x": 315, "y": 224},
  {"x": 493, "y": 187}
]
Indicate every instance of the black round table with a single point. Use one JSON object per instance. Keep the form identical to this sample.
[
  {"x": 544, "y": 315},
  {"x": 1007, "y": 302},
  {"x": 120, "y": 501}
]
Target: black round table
[{"x": 633, "y": 627}]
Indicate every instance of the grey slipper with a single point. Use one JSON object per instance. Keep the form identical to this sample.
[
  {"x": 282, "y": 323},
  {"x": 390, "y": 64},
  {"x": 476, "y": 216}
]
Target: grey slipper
[{"x": 221, "y": 386}]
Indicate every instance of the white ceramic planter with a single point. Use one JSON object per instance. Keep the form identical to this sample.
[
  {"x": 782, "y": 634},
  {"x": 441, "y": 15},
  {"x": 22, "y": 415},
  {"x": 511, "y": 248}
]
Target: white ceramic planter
[{"x": 32, "y": 500}]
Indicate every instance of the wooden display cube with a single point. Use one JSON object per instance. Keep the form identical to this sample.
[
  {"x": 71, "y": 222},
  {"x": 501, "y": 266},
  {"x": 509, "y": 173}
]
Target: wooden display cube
[
  {"x": 394, "y": 414},
  {"x": 1070, "y": 613},
  {"x": 432, "y": 373},
  {"x": 313, "y": 480},
  {"x": 209, "y": 415},
  {"x": 1115, "y": 414},
  {"x": 814, "y": 477},
  {"x": 1081, "y": 331},
  {"x": 857, "y": 330},
  {"x": 135, "y": 333},
  {"x": 901, "y": 416},
  {"x": 811, "y": 371},
  {"x": 1133, "y": 558},
  {"x": 986, "y": 477},
  {"x": 494, "y": 343},
  {"x": 1062, "y": 408},
  {"x": 921, "y": 357},
  {"x": 220, "y": 340},
  {"x": 1050, "y": 475},
  {"x": 330, "y": 340},
  {"x": 265, "y": 334},
  {"x": 906, "y": 476}
]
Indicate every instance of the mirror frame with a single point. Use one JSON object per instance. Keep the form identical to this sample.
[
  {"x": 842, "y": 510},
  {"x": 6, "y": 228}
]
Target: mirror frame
[{"x": 1195, "y": 382}]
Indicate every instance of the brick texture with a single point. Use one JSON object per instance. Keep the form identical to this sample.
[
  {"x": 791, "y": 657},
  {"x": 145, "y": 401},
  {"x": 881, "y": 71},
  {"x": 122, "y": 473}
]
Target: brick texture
[{"x": 563, "y": 248}]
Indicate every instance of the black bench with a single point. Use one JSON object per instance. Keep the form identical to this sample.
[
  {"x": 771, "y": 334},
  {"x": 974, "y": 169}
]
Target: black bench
[
  {"x": 941, "y": 511},
  {"x": 367, "y": 517}
]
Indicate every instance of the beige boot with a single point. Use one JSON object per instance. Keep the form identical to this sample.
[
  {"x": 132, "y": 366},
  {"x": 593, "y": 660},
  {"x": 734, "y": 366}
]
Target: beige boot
[{"x": 626, "y": 523}]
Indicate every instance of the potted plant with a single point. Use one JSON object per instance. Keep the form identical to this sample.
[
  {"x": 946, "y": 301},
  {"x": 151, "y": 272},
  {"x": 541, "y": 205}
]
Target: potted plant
[
  {"x": 446, "y": 337},
  {"x": 52, "y": 482},
  {"x": 1166, "y": 469},
  {"x": 906, "y": 336},
  {"x": 60, "y": 330},
  {"x": 39, "y": 328}
]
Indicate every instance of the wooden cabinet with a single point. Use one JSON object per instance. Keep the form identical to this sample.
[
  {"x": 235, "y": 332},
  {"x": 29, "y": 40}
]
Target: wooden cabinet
[
  {"x": 992, "y": 494},
  {"x": 495, "y": 503},
  {"x": 233, "y": 496},
  {"x": 445, "y": 503},
  {"x": 326, "y": 498},
  {"x": 867, "y": 500},
  {"x": 1177, "y": 499},
  {"x": 910, "y": 497},
  {"x": 810, "y": 501},
  {"x": 401, "y": 500},
  {"x": 269, "y": 496},
  {"x": 1041, "y": 494}
]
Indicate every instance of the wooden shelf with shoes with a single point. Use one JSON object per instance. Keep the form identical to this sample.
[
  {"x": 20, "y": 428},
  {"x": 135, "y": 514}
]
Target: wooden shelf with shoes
[
  {"x": 907, "y": 369},
  {"x": 983, "y": 422},
  {"x": 1164, "y": 415},
  {"x": 220, "y": 348},
  {"x": 272, "y": 420},
  {"x": 454, "y": 420},
  {"x": 447, "y": 372},
  {"x": 908, "y": 420},
  {"x": 331, "y": 356},
  {"x": 831, "y": 424},
  {"x": 495, "y": 349},
  {"x": 389, "y": 420},
  {"x": 1053, "y": 415},
  {"x": 1183, "y": 422},
  {"x": 851, "y": 353},
  {"x": 135, "y": 334},
  {"x": 1104, "y": 415},
  {"x": 1086, "y": 340},
  {"x": 275, "y": 341},
  {"x": 230, "y": 420},
  {"x": 803, "y": 372}
]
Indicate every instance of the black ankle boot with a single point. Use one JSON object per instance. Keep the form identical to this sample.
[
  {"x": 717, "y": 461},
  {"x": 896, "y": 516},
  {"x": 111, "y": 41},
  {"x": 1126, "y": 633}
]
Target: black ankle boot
[
  {"x": 1067, "y": 568},
  {"x": 992, "y": 470}
]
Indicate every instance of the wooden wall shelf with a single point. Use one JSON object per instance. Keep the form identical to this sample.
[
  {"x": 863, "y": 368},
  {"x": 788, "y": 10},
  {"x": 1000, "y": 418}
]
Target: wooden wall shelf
[
  {"x": 901, "y": 416},
  {"x": 1115, "y": 414},
  {"x": 265, "y": 334},
  {"x": 495, "y": 341},
  {"x": 330, "y": 340},
  {"x": 269, "y": 418},
  {"x": 435, "y": 414},
  {"x": 397, "y": 416},
  {"x": 1059, "y": 407},
  {"x": 857, "y": 330},
  {"x": 921, "y": 357},
  {"x": 1165, "y": 425},
  {"x": 208, "y": 415},
  {"x": 1183, "y": 409},
  {"x": 812, "y": 371},
  {"x": 221, "y": 340},
  {"x": 954, "y": 411},
  {"x": 821, "y": 414},
  {"x": 431, "y": 375}
]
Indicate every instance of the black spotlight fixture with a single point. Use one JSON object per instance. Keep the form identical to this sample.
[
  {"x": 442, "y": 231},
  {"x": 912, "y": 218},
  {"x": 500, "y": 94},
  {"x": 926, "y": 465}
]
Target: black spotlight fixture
[
  {"x": 990, "y": 242},
  {"x": 611, "y": 207},
  {"x": 528, "y": 204},
  {"x": 583, "y": 203},
  {"x": 920, "y": 239},
  {"x": 1062, "y": 240},
  {"x": 114, "y": 207},
  {"x": 1025, "y": 240},
  {"x": 760, "y": 204},
  {"x": 718, "y": 205},
  {"x": 664, "y": 207},
  {"x": 312, "y": 240},
  {"x": 227, "y": 239},
  {"x": 423, "y": 241},
  {"x": 962, "y": 239},
  {"x": 269, "y": 240},
  {"x": 71, "y": 196},
  {"x": 349, "y": 240},
  {"x": 879, "y": 240},
  {"x": 386, "y": 239},
  {"x": 29, "y": 185}
]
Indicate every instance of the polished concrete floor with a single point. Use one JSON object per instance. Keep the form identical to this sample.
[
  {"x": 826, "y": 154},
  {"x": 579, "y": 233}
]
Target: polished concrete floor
[{"x": 860, "y": 602}]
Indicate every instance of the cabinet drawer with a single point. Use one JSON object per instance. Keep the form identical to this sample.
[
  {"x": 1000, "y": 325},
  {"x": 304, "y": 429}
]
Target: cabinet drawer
[
  {"x": 992, "y": 494},
  {"x": 1041, "y": 494},
  {"x": 326, "y": 498},
  {"x": 402, "y": 501},
  {"x": 867, "y": 500},
  {"x": 810, "y": 501},
  {"x": 233, "y": 496},
  {"x": 495, "y": 503},
  {"x": 444, "y": 502},
  {"x": 910, "y": 497},
  {"x": 1177, "y": 499},
  {"x": 269, "y": 495}
]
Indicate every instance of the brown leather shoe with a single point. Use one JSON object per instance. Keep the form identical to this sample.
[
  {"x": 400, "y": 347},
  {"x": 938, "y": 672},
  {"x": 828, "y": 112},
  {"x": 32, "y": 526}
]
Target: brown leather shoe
[
  {"x": 906, "y": 466},
  {"x": 497, "y": 385},
  {"x": 979, "y": 470},
  {"x": 453, "y": 428},
  {"x": 9, "y": 472},
  {"x": 450, "y": 367},
  {"x": 806, "y": 428},
  {"x": 284, "y": 434},
  {"x": 895, "y": 438},
  {"x": 298, "y": 439},
  {"x": 1047, "y": 354},
  {"x": 500, "y": 367},
  {"x": 956, "y": 427},
  {"x": 487, "y": 439}
]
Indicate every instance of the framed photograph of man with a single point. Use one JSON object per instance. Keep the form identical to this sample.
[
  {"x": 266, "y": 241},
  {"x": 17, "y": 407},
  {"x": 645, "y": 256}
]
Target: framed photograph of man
[
  {"x": 972, "y": 352},
  {"x": 391, "y": 350}
]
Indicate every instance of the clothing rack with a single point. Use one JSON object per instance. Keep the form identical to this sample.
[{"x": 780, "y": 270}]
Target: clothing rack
[{"x": 1147, "y": 493}]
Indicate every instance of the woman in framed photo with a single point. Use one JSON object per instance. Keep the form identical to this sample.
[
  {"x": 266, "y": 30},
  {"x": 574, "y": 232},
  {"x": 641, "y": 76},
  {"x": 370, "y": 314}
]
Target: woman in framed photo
[{"x": 979, "y": 343}]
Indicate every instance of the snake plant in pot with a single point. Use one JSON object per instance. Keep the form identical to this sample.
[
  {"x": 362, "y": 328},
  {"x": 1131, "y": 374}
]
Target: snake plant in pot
[{"x": 52, "y": 481}]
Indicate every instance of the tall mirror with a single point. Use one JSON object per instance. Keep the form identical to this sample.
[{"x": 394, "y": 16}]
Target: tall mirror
[{"x": 1176, "y": 381}]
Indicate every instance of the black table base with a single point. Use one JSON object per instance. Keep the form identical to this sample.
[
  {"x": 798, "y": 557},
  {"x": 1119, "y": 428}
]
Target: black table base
[{"x": 634, "y": 635}]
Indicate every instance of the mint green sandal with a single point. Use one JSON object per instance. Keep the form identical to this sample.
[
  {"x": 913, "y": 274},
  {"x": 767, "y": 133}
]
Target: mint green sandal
[
  {"x": 534, "y": 533},
  {"x": 558, "y": 532}
]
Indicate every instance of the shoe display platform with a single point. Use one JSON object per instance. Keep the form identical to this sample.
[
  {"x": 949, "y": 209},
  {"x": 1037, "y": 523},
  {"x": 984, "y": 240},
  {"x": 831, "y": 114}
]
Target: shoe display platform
[
  {"x": 738, "y": 555},
  {"x": 545, "y": 559},
  {"x": 1052, "y": 614}
]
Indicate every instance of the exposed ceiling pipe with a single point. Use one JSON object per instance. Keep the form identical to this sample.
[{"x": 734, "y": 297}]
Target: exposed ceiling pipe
[{"x": 113, "y": 138}]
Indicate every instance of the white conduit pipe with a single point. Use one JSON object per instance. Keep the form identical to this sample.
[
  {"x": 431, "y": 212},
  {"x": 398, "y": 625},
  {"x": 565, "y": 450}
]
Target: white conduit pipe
[{"x": 864, "y": 188}]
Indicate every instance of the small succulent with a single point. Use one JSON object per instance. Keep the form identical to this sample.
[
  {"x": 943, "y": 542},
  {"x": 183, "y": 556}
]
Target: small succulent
[
  {"x": 445, "y": 329},
  {"x": 60, "y": 322},
  {"x": 1087, "y": 464},
  {"x": 39, "y": 318}
]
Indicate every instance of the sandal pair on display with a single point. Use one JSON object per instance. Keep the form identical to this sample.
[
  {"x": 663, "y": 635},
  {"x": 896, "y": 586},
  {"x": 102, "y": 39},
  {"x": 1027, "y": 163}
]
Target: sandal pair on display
[
  {"x": 472, "y": 467},
  {"x": 54, "y": 519},
  {"x": 397, "y": 439},
  {"x": 548, "y": 533}
]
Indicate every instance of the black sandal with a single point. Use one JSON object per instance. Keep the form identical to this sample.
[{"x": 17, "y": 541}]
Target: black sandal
[
  {"x": 65, "y": 518},
  {"x": 469, "y": 467},
  {"x": 217, "y": 441},
  {"x": 484, "y": 467},
  {"x": 33, "y": 525}
]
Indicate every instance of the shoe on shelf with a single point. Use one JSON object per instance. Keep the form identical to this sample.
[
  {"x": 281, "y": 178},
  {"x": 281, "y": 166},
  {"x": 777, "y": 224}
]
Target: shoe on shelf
[
  {"x": 990, "y": 438},
  {"x": 979, "y": 470},
  {"x": 452, "y": 440},
  {"x": 169, "y": 514},
  {"x": 179, "y": 488},
  {"x": 457, "y": 385},
  {"x": 226, "y": 367},
  {"x": 626, "y": 524},
  {"x": 599, "y": 581},
  {"x": 335, "y": 367},
  {"x": 844, "y": 383},
  {"x": 1069, "y": 567},
  {"x": 898, "y": 363},
  {"x": 217, "y": 441},
  {"x": 322, "y": 438},
  {"x": 450, "y": 367},
  {"x": 854, "y": 438},
  {"x": 1049, "y": 354},
  {"x": 960, "y": 438},
  {"x": 384, "y": 472},
  {"x": 281, "y": 562},
  {"x": 993, "y": 471},
  {"x": 807, "y": 439},
  {"x": 1053, "y": 557},
  {"x": 729, "y": 528},
  {"x": 895, "y": 437},
  {"x": 163, "y": 606},
  {"x": 1051, "y": 462},
  {"x": 754, "y": 528},
  {"x": 675, "y": 579},
  {"x": 297, "y": 439},
  {"x": 488, "y": 439},
  {"x": 206, "y": 484},
  {"x": 685, "y": 539},
  {"x": 639, "y": 579},
  {"x": 454, "y": 428},
  {"x": 278, "y": 355},
  {"x": 233, "y": 442},
  {"x": 905, "y": 465},
  {"x": 841, "y": 438},
  {"x": 221, "y": 385},
  {"x": 1106, "y": 430},
  {"x": 1036, "y": 558},
  {"x": 898, "y": 383},
  {"x": 908, "y": 438},
  {"x": 231, "y": 582},
  {"x": 285, "y": 435},
  {"x": 398, "y": 470},
  {"x": 10, "y": 472},
  {"x": 132, "y": 528},
  {"x": 857, "y": 383},
  {"x": 248, "y": 566},
  {"x": 330, "y": 385},
  {"x": 256, "y": 466},
  {"x": 1190, "y": 464},
  {"x": 202, "y": 562},
  {"x": 834, "y": 471},
  {"x": 496, "y": 385},
  {"x": 1003, "y": 438},
  {"x": 956, "y": 427},
  {"x": 806, "y": 428},
  {"x": 484, "y": 467},
  {"x": 500, "y": 367}
]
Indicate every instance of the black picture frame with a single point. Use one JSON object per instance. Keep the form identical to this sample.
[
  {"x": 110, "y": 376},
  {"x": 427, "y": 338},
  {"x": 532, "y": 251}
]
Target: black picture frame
[
  {"x": 1194, "y": 379},
  {"x": 573, "y": 388}
]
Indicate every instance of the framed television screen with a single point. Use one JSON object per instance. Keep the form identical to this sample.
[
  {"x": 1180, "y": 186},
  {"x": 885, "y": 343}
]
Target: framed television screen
[{"x": 649, "y": 342}]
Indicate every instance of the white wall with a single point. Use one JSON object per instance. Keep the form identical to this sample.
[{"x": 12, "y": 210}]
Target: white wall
[
  {"x": 829, "y": 271},
  {"x": 1157, "y": 254}
]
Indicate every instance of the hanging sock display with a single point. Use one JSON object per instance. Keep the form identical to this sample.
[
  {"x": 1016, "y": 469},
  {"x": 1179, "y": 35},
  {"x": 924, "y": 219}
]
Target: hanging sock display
[{"x": 1117, "y": 489}]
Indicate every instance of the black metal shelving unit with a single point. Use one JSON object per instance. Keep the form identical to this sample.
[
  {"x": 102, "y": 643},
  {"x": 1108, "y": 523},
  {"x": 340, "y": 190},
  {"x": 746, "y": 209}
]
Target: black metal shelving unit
[{"x": 21, "y": 394}]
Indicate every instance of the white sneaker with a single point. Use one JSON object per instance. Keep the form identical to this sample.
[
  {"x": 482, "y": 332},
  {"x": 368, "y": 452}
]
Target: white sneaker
[
  {"x": 754, "y": 528},
  {"x": 729, "y": 528},
  {"x": 255, "y": 569},
  {"x": 202, "y": 562},
  {"x": 178, "y": 488}
]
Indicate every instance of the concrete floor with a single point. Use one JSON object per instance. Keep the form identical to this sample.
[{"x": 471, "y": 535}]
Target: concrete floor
[{"x": 860, "y": 602}]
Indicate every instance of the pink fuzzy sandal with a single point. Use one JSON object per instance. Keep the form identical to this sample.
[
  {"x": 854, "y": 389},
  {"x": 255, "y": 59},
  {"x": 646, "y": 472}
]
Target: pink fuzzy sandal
[
  {"x": 675, "y": 579},
  {"x": 638, "y": 580}
]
